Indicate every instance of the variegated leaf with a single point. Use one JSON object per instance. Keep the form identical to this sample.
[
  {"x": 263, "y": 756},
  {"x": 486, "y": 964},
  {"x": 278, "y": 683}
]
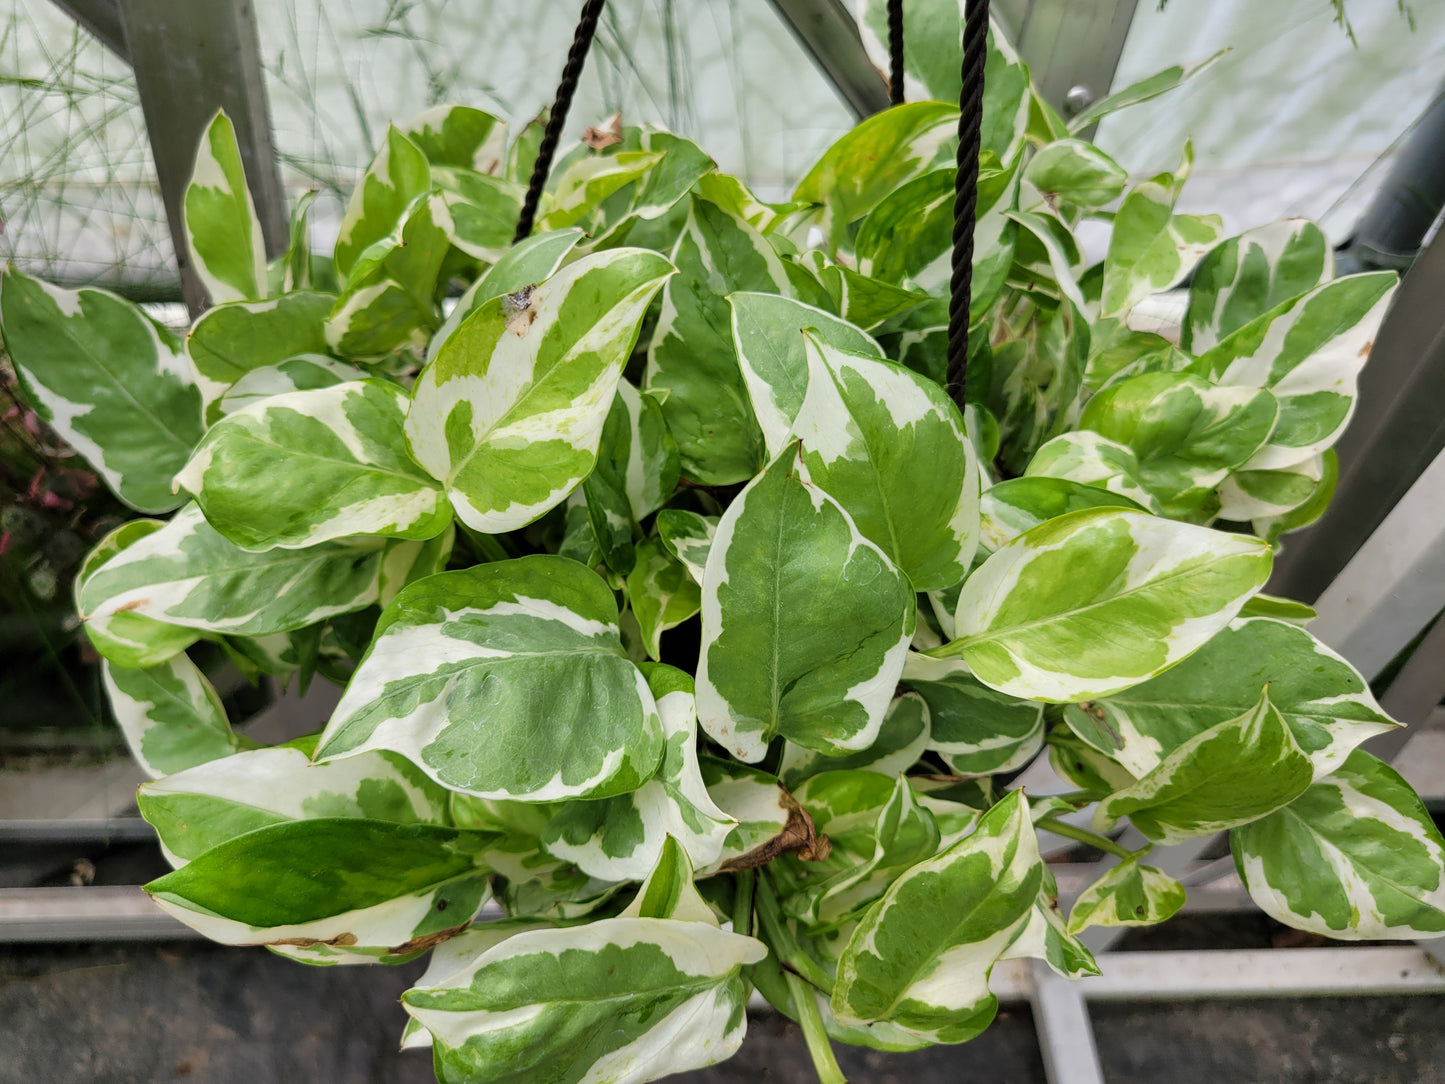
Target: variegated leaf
[
  {"x": 311, "y": 466},
  {"x": 1160, "y": 82},
  {"x": 901, "y": 740},
  {"x": 305, "y": 372},
  {"x": 1356, "y": 857},
  {"x": 622, "y": 838},
  {"x": 126, "y": 638},
  {"x": 482, "y": 211},
  {"x": 692, "y": 354},
  {"x": 1096, "y": 601},
  {"x": 762, "y": 808},
  {"x": 1047, "y": 251},
  {"x": 768, "y": 335},
  {"x": 208, "y": 804},
  {"x": 1230, "y": 774},
  {"x": 507, "y": 680},
  {"x": 509, "y": 412},
  {"x": 1117, "y": 352},
  {"x": 1091, "y": 459},
  {"x": 1309, "y": 354},
  {"x": 397, "y": 175},
  {"x": 532, "y": 260},
  {"x": 187, "y": 573},
  {"x": 390, "y": 298},
  {"x": 1151, "y": 247},
  {"x": 637, "y": 463},
  {"x": 111, "y": 382},
  {"x": 922, "y": 954},
  {"x": 1012, "y": 507},
  {"x": 231, "y": 340},
  {"x": 1262, "y": 494},
  {"x": 1186, "y": 433},
  {"x": 364, "y": 887},
  {"x": 586, "y": 183},
  {"x": 661, "y": 593},
  {"x": 1249, "y": 275},
  {"x": 170, "y": 715},
  {"x": 907, "y": 237},
  {"x": 223, "y": 233},
  {"x": 1322, "y": 697},
  {"x": 1271, "y": 527},
  {"x": 978, "y": 731},
  {"x": 889, "y": 446},
  {"x": 804, "y": 621},
  {"x": 887, "y": 149},
  {"x": 298, "y": 274},
  {"x": 863, "y": 301},
  {"x": 618, "y": 999},
  {"x": 688, "y": 537},
  {"x": 1047, "y": 937},
  {"x": 1076, "y": 171},
  {"x": 458, "y": 135},
  {"x": 1129, "y": 894}
]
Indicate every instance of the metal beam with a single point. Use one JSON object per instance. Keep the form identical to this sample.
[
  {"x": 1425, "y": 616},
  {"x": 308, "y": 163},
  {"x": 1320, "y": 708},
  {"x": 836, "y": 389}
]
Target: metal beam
[
  {"x": 1066, "y": 1036},
  {"x": 190, "y": 59},
  {"x": 826, "y": 29},
  {"x": 1397, "y": 431},
  {"x": 1072, "y": 48},
  {"x": 102, "y": 19}
]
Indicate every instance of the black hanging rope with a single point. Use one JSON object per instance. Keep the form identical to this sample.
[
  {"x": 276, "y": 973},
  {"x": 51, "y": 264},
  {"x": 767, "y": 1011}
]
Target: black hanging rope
[
  {"x": 965, "y": 198},
  {"x": 895, "y": 52},
  {"x": 571, "y": 72}
]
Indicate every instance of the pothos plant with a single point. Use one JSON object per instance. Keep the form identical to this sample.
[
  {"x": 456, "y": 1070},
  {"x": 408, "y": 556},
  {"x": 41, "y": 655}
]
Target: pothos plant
[{"x": 681, "y": 613}]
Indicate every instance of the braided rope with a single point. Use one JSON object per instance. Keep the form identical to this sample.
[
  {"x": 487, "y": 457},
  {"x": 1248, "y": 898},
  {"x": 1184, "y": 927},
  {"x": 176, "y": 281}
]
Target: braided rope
[
  {"x": 965, "y": 198},
  {"x": 895, "y": 52},
  {"x": 571, "y": 73}
]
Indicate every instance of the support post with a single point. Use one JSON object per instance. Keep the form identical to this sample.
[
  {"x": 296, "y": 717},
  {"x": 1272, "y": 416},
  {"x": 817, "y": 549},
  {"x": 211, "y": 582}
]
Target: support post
[
  {"x": 825, "y": 28},
  {"x": 190, "y": 59}
]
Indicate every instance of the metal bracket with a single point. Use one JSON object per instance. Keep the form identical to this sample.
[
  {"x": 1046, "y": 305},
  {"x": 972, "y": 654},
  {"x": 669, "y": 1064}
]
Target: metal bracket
[{"x": 827, "y": 31}]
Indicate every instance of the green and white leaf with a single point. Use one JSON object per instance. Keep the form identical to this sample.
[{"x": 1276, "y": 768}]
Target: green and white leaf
[
  {"x": 170, "y": 715},
  {"x": 1262, "y": 494},
  {"x": 921, "y": 956},
  {"x": 875, "y": 158},
  {"x": 365, "y": 887},
  {"x": 208, "y": 804},
  {"x": 305, "y": 372},
  {"x": 619, "y": 999},
  {"x": 458, "y": 135},
  {"x": 1249, "y": 275},
  {"x": 863, "y": 301},
  {"x": 532, "y": 260},
  {"x": 403, "y": 562},
  {"x": 688, "y": 536},
  {"x": 482, "y": 211},
  {"x": 311, "y": 466},
  {"x": 126, "y": 638},
  {"x": 978, "y": 731},
  {"x": 587, "y": 182},
  {"x": 1325, "y": 701},
  {"x": 1151, "y": 247},
  {"x": 1092, "y": 459},
  {"x": 1187, "y": 434},
  {"x": 907, "y": 238},
  {"x": 1309, "y": 355},
  {"x": 1230, "y": 774},
  {"x": 692, "y": 354},
  {"x": 1129, "y": 894},
  {"x": 622, "y": 838},
  {"x": 768, "y": 334},
  {"x": 112, "y": 383},
  {"x": 396, "y": 176},
  {"x": 754, "y": 799},
  {"x": 889, "y": 446},
  {"x": 637, "y": 458},
  {"x": 1356, "y": 857},
  {"x": 1012, "y": 507},
  {"x": 231, "y": 340},
  {"x": 223, "y": 233},
  {"x": 187, "y": 573},
  {"x": 901, "y": 740},
  {"x": 1077, "y": 172},
  {"x": 1096, "y": 601},
  {"x": 507, "y": 680},
  {"x": 1160, "y": 82},
  {"x": 661, "y": 592},
  {"x": 509, "y": 412},
  {"x": 1047, "y": 937},
  {"x": 804, "y": 621}
]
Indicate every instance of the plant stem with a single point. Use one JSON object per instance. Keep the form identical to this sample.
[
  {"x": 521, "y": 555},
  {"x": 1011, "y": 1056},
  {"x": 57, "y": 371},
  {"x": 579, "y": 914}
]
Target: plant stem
[
  {"x": 486, "y": 545},
  {"x": 743, "y": 903},
  {"x": 1082, "y": 835},
  {"x": 780, "y": 939},
  {"x": 816, "y": 1035}
]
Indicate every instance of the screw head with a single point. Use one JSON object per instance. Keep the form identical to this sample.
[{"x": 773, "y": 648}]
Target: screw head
[{"x": 1077, "y": 100}]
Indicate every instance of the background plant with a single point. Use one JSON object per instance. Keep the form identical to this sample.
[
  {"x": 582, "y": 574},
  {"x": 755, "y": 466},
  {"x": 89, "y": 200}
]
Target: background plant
[{"x": 680, "y": 610}]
